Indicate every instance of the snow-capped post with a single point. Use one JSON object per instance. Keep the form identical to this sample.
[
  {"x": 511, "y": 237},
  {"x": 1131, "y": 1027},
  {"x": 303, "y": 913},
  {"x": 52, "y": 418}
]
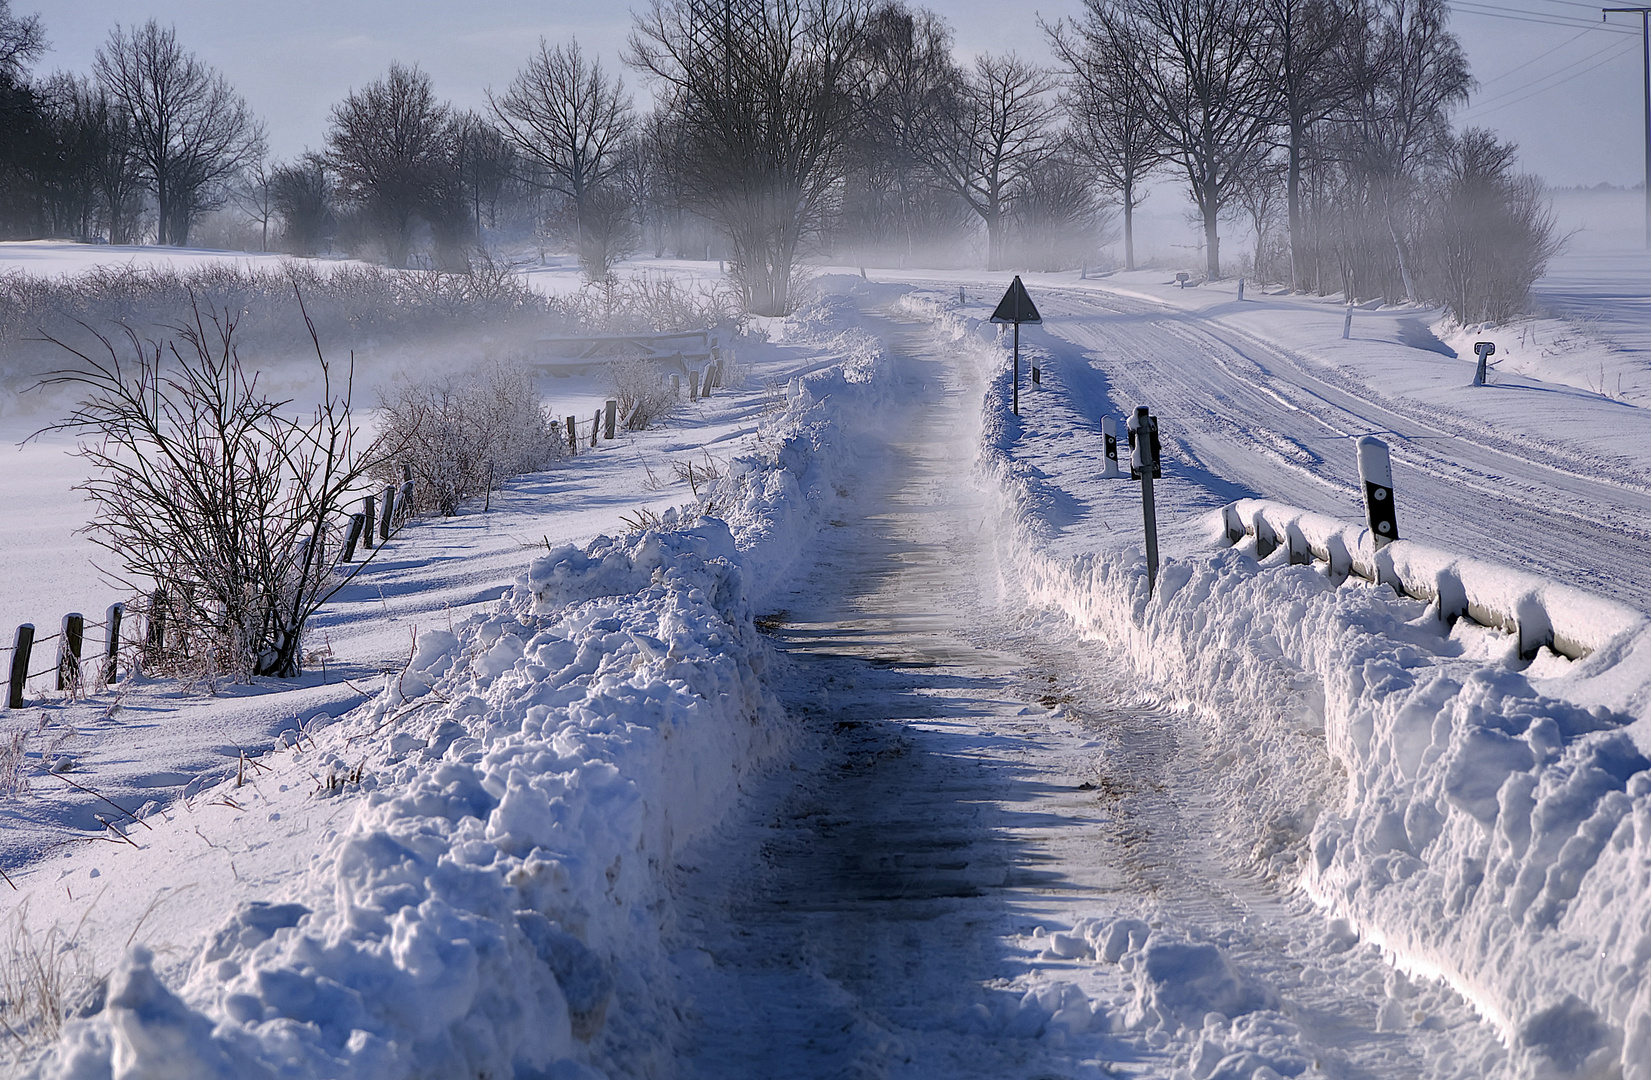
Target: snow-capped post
[
  {"x": 353, "y": 537},
  {"x": 610, "y": 417},
  {"x": 111, "y": 642},
  {"x": 1485, "y": 349},
  {"x": 69, "y": 641},
  {"x": 386, "y": 512},
  {"x": 1376, "y": 474},
  {"x": 22, "y": 645},
  {"x": 368, "y": 514},
  {"x": 1347, "y": 324},
  {"x": 1109, "y": 432},
  {"x": 1016, "y": 307},
  {"x": 1144, "y": 462}
]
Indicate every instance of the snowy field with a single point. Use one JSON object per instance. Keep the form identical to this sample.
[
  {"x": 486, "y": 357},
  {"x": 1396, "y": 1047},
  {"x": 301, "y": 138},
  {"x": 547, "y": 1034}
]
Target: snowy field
[{"x": 888, "y": 765}]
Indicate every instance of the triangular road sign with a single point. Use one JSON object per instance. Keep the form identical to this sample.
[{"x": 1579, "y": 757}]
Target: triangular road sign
[{"x": 1016, "y": 306}]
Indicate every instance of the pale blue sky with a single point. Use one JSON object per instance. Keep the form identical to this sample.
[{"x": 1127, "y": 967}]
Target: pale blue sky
[{"x": 1576, "y": 112}]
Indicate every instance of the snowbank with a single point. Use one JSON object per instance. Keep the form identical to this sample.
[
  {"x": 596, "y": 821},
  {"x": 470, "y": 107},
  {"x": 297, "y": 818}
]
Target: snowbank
[
  {"x": 494, "y": 903},
  {"x": 1485, "y": 820}
]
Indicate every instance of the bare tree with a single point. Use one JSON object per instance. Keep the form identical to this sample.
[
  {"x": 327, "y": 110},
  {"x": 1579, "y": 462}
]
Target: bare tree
[
  {"x": 1489, "y": 232},
  {"x": 903, "y": 85},
  {"x": 216, "y": 492},
  {"x": 564, "y": 113},
  {"x": 189, "y": 131},
  {"x": 255, "y": 195},
  {"x": 1210, "y": 95},
  {"x": 992, "y": 134},
  {"x": 763, "y": 99},
  {"x": 1107, "y": 100},
  {"x": 302, "y": 197},
  {"x": 21, "y": 42},
  {"x": 1306, "y": 45},
  {"x": 388, "y": 144}
]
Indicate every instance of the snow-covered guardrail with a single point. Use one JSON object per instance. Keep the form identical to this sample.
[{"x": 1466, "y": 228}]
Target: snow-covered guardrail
[{"x": 1541, "y": 613}]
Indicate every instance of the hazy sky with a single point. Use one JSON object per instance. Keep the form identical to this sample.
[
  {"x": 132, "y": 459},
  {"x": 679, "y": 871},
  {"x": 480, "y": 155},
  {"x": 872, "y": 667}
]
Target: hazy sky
[{"x": 1552, "y": 77}]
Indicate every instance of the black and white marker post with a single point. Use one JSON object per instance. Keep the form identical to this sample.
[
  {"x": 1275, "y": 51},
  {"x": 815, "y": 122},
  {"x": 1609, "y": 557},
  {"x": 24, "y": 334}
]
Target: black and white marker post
[
  {"x": 1109, "y": 432},
  {"x": 1376, "y": 474},
  {"x": 1486, "y": 350},
  {"x": 1143, "y": 463},
  {"x": 1016, "y": 307}
]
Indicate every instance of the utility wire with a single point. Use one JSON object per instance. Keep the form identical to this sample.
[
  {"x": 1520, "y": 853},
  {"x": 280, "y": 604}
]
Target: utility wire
[
  {"x": 1617, "y": 45},
  {"x": 1540, "y": 18},
  {"x": 1622, "y": 50},
  {"x": 1534, "y": 59}
]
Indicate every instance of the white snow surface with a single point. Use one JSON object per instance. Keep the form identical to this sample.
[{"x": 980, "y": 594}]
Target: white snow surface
[
  {"x": 463, "y": 865},
  {"x": 1484, "y": 821},
  {"x": 487, "y": 895}
]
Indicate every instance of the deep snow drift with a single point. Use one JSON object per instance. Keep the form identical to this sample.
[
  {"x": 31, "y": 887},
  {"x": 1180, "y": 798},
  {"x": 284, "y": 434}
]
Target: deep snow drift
[{"x": 1484, "y": 821}]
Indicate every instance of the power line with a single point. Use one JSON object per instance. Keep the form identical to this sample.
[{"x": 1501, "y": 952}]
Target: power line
[
  {"x": 1538, "y": 18},
  {"x": 1534, "y": 59},
  {"x": 1621, "y": 48}
]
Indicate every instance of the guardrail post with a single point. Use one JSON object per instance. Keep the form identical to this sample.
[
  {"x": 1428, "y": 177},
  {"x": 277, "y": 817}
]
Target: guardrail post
[
  {"x": 1145, "y": 461},
  {"x": 1485, "y": 349},
  {"x": 1109, "y": 432},
  {"x": 69, "y": 641},
  {"x": 22, "y": 645},
  {"x": 1266, "y": 540},
  {"x": 1240, "y": 290},
  {"x": 353, "y": 536},
  {"x": 1376, "y": 475},
  {"x": 111, "y": 643}
]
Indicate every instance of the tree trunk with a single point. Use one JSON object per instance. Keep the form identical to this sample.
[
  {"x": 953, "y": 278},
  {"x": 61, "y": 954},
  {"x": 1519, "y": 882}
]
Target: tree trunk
[
  {"x": 1293, "y": 196},
  {"x": 994, "y": 242},
  {"x": 1129, "y": 226},
  {"x": 1212, "y": 243}
]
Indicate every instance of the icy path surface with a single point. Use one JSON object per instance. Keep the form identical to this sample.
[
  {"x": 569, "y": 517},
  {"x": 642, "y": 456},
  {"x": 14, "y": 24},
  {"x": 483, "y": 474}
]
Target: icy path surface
[{"x": 901, "y": 903}]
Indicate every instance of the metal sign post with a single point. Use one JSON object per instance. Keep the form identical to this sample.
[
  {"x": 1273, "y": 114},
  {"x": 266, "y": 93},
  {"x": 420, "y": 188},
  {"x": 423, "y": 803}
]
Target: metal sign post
[
  {"x": 1016, "y": 307},
  {"x": 1143, "y": 462},
  {"x": 1484, "y": 349}
]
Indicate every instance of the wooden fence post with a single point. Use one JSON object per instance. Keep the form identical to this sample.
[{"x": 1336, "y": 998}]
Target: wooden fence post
[
  {"x": 693, "y": 385},
  {"x": 157, "y": 621},
  {"x": 595, "y": 429},
  {"x": 610, "y": 417},
  {"x": 69, "y": 642},
  {"x": 404, "y": 502},
  {"x": 573, "y": 437},
  {"x": 22, "y": 646},
  {"x": 371, "y": 517},
  {"x": 354, "y": 536},
  {"x": 386, "y": 511},
  {"x": 676, "y": 385},
  {"x": 111, "y": 643}
]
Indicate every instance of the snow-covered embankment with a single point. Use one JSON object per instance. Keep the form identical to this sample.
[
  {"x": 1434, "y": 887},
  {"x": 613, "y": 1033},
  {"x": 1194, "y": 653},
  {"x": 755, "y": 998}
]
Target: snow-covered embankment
[
  {"x": 1486, "y": 821},
  {"x": 494, "y": 905}
]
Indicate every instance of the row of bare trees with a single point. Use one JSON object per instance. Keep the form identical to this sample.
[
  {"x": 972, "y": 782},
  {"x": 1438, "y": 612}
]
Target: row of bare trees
[{"x": 785, "y": 127}]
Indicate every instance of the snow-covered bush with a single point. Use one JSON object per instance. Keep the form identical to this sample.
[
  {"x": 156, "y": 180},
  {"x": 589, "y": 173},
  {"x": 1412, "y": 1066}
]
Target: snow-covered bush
[
  {"x": 458, "y": 437},
  {"x": 642, "y": 392}
]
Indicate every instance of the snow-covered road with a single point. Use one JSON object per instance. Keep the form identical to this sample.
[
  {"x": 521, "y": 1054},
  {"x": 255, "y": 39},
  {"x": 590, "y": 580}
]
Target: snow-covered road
[
  {"x": 977, "y": 785},
  {"x": 1537, "y": 490}
]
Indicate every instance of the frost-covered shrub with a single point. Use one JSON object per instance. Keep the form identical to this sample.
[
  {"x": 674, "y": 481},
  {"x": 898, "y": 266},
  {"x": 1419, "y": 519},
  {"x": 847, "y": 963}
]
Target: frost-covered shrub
[
  {"x": 458, "y": 437},
  {"x": 1490, "y": 233},
  {"x": 646, "y": 303},
  {"x": 642, "y": 392}
]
